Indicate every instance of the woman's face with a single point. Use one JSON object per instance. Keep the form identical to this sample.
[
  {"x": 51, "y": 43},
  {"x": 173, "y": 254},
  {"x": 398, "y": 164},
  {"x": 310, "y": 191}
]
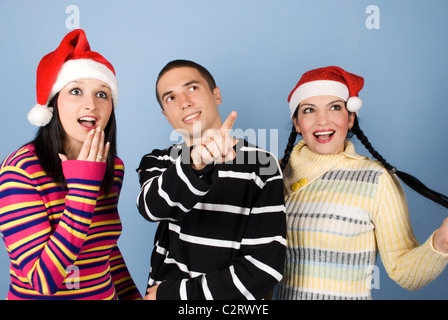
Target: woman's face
[
  {"x": 83, "y": 105},
  {"x": 323, "y": 122}
]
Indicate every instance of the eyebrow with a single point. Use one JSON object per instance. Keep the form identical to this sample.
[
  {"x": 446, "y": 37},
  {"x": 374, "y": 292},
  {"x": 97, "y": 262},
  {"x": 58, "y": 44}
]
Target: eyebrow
[
  {"x": 328, "y": 104},
  {"x": 184, "y": 85},
  {"x": 80, "y": 81}
]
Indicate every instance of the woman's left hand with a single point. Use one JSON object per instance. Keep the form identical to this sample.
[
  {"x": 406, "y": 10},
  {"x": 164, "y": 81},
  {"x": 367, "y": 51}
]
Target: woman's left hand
[
  {"x": 93, "y": 148},
  {"x": 441, "y": 238}
]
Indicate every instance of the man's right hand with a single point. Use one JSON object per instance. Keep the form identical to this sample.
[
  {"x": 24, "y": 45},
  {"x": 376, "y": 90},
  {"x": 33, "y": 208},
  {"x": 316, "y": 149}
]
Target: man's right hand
[{"x": 215, "y": 146}]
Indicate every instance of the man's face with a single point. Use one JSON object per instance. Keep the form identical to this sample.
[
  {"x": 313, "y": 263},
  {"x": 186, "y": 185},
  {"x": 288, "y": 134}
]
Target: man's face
[{"x": 189, "y": 102}]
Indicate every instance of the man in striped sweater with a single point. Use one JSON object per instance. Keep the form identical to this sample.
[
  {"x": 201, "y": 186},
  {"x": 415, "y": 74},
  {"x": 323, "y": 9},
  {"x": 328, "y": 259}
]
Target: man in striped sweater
[{"x": 218, "y": 200}]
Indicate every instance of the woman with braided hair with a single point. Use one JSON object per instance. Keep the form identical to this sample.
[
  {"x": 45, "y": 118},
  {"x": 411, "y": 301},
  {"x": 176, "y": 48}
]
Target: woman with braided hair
[{"x": 342, "y": 208}]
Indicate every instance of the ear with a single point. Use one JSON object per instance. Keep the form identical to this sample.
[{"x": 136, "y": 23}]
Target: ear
[
  {"x": 351, "y": 119},
  {"x": 295, "y": 121},
  {"x": 166, "y": 116},
  {"x": 217, "y": 94}
]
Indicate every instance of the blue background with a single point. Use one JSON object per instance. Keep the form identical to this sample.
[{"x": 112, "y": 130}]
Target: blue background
[{"x": 257, "y": 51}]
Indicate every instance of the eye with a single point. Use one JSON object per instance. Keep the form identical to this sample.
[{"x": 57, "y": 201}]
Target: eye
[
  {"x": 76, "y": 91},
  {"x": 336, "y": 107},
  {"x": 169, "y": 98},
  {"x": 193, "y": 88},
  {"x": 102, "y": 95},
  {"x": 307, "y": 110}
]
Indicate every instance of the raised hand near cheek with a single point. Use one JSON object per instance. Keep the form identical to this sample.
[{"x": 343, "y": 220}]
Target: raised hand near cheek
[
  {"x": 93, "y": 148},
  {"x": 215, "y": 146}
]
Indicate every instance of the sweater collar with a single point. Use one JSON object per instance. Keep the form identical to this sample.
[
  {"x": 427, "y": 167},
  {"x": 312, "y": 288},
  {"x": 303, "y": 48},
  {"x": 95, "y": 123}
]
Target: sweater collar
[{"x": 306, "y": 166}]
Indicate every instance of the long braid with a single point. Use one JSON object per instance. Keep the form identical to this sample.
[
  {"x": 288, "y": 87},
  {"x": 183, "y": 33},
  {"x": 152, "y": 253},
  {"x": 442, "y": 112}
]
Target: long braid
[
  {"x": 291, "y": 140},
  {"x": 411, "y": 181},
  {"x": 361, "y": 136}
]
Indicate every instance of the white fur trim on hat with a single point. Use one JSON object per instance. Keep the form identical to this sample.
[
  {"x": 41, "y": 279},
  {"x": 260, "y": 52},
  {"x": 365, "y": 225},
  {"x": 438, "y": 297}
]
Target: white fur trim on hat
[
  {"x": 317, "y": 88},
  {"x": 78, "y": 69},
  {"x": 40, "y": 115}
]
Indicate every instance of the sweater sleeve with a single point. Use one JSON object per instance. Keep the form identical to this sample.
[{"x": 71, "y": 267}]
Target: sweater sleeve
[
  {"x": 409, "y": 264},
  {"x": 169, "y": 187},
  {"x": 42, "y": 255}
]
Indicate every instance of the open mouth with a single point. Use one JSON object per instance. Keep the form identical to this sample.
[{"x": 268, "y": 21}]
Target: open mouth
[
  {"x": 192, "y": 117},
  {"x": 87, "y": 122},
  {"x": 324, "y": 135}
]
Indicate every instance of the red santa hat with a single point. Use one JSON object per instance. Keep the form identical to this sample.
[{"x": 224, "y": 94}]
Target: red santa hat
[
  {"x": 328, "y": 81},
  {"x": 72, "y": 60}
]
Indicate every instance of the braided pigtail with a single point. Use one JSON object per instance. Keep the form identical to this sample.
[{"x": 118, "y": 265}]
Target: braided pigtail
[
  {"x": 291, "y": 140},
  {"x": 411, "y": 181}
]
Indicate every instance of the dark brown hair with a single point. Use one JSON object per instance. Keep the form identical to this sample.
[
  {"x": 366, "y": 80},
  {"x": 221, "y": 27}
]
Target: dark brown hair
[{"x": 181, "y": 64}]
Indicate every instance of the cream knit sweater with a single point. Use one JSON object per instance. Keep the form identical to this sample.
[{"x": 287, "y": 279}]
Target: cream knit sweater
[{"x": 341, "y": 210}]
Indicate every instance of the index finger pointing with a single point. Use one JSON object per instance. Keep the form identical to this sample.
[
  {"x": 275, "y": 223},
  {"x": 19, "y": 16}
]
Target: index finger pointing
[{"x": 228, "y": 123}]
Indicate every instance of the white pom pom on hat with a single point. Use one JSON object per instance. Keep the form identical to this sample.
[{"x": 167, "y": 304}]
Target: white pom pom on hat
[
  {"x": 332, "y": 81},
  {"x": 354, "y": 104},
  {"x": 40, "y": 115},
  {"x": 72, "y": 60}
]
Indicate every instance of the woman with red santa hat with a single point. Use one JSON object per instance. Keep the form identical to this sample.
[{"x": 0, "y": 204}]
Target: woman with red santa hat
[
  {"x": 59, "y": 193},
  {"x": 341, "y": 207}
]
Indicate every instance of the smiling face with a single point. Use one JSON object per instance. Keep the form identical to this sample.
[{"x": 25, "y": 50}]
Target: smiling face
[
  {"x": 83, "y": 105},
  {"x": 323, "y": 122},
  {"x": 188, "y": 101}
]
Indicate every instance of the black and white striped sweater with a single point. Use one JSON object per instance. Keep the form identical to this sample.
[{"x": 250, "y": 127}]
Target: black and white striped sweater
[{"x": 221, "y": 232}]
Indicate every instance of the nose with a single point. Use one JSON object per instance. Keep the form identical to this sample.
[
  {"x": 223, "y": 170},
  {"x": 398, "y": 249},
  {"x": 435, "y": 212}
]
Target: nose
[
  {"x": 322, "y": 117},
  {"x": 89, "y": 102},
  {"x": 184, "y": 101}
]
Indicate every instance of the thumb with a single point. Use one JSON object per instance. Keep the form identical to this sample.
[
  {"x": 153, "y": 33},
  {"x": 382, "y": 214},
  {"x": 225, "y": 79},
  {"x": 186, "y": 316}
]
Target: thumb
[{"x": 62, "y": 157}]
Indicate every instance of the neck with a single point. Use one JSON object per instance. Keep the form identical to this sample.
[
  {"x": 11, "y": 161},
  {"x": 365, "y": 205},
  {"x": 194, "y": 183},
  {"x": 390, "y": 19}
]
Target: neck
[{"x": 71, "y": 151}]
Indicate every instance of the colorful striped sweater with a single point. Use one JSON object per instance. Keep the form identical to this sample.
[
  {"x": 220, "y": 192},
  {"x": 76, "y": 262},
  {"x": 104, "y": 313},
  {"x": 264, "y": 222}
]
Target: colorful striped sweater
[
  {"x": 62, "y": 241},
  {"x": 221, "y": 232},
  {"x": 342, "y": 209}
]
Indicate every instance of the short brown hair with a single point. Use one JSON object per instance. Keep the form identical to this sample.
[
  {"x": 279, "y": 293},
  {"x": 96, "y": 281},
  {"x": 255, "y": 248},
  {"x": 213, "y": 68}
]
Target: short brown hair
[{"x": 190, "y": 64}]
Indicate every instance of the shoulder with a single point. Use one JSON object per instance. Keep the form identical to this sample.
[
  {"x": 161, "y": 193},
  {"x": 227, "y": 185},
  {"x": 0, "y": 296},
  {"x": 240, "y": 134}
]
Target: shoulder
[
  {"x": 361, "y": 162},
  {"x": 24, "y": 159},
  {"x": 247, "y": 147},
  {"x": 119, "y": 164},
  {"x": 157, "y": 157},
  {"x": 262, "y": 162},
  {"x": 169, "y": 153},
  {"x": 372, "y": 172}
]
